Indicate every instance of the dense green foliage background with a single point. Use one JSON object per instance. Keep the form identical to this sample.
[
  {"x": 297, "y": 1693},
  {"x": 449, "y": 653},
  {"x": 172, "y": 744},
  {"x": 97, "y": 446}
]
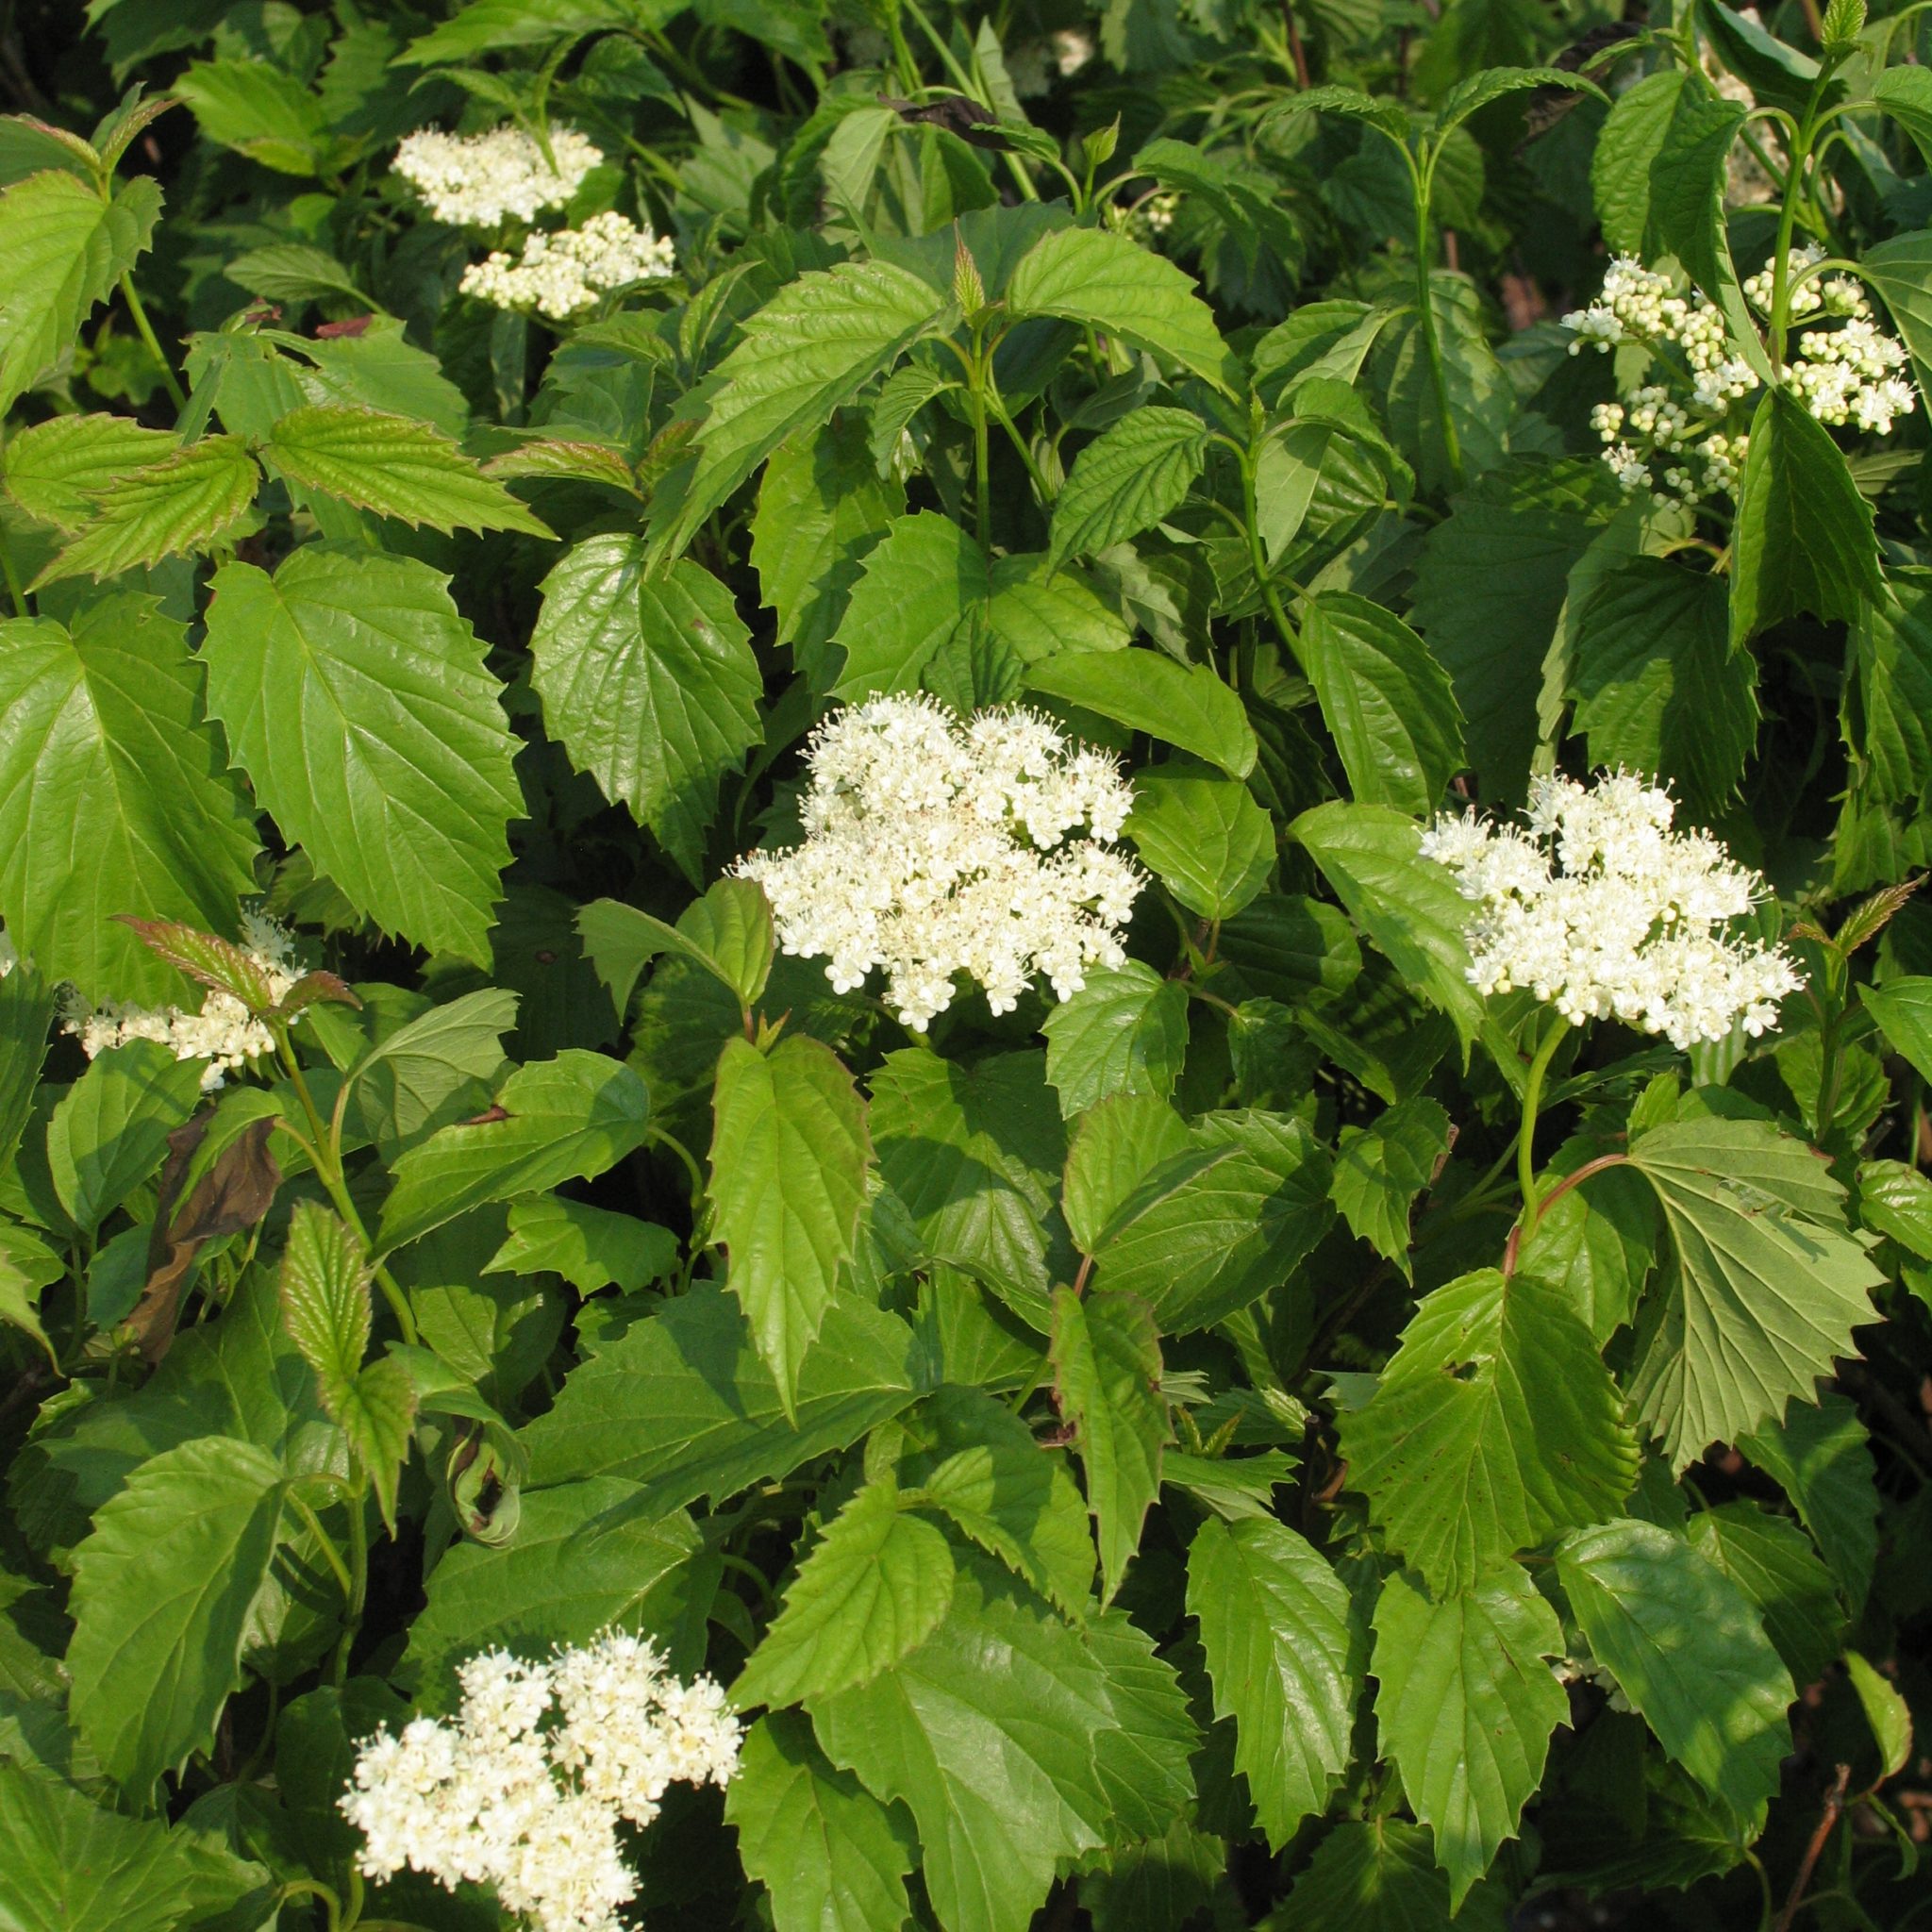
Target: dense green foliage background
[{"x": 1138, "y": 1459}]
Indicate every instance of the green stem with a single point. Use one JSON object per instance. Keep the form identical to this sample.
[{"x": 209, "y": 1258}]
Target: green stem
[
  {"x": 1805, "y": 134},
  {"x": 313, "y": 1888},
  {"x": 1526, "y": 1144},
  {"x": 982, "y": 497},
  {"x": 659, "y": 1138},
  {"x": 145, "y": 330},
  {"x": 1422, "y": 180},
  {"x": 963, "y": 81},
  {"x": 324, "y": 1152},
  {"x": 359, "y": 1577},
  {"x": 1258, "y": 556},
  {"x": 332, "y": 1556}
]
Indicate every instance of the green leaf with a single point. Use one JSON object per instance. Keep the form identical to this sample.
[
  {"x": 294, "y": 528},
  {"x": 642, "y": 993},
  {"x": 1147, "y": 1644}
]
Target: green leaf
[
  {"x": 292, "y": 272},
  {"x": 727, "y": 932},
  {"x": 326, "y": 1309},
  {"x": 590, "y": 1247},
  {"x": 814, "y": 346},
  {"x": 919, "y": 584},
  {"x": 989, "y": 1733},
  {"x": 1660, "y": 688},
  {"x": 1387, "y": 702},
  {"x": 1803, "y": 540},
  {"x": 1906, "y": 94},
  {"x": 357, "y": 699},
  {"x": 1820, "y": 1456},
  {"x": 1390, "y": 117},
  {"x": 1407, "y": 906},
  {"x": 1130, "y": 476},
  {"x": 74, "y": 1865},
  {"x": 1381, "y": 1875},
  {"x": 649, "y": 682},
  {"x": 1481, "y": 399},
  {"x": 1284, "y": 1661},
  {"x": 1380, "y": 1169},
  {"x": 1772, "y": 1561},
  {"x": 683, "y": 1403},
  {"x": 259, "y": 112},
  {"x": 1495, "y": 1424},
  {"x": 1886, "y": 1711},
  {"x": 65, "y": 246},
  {"x": 1687, "y": 1648},
  {"x": 1471, "y": 95},
  {"x": 163, "y": 1591},
  {"x": 1466, "y": 1703},
  {"x": 789, "y": 1160},
  {"x": 821, "y": 506},
  {"x": 185, "y": 502},
  {"x": 1145, "y": 1760},
  {"x": 1902, "y": 1009},
  {"x": 979, "y": 1462},
  {"x": 432, "y": 1070},
  {"x": 20, "y": 1294},
  {"x": 1209, "y": 1229},
  {"x": 1659, "y": 174},
  {"x": 1210, "y": 844},
  {"x": 1105, "y": 282},
  {"x": 1126, "y": 1031},
  {"x": 114, "y": 796},
  {"x": 558, "y": 1119},
  {"x": 1183, "y": 705},
  {"x": 1901, "y": 271},
  {"x": 55, "y": 469},
  {"x": 831, "y": 1857},
  {"x": 1106, "y": 1381},
  {"x": 585, "y": 1558},
  {"x": 397, "y": 466},
  {"x": 489, "y": 26},
  {"x": 872, "y": 1588},
  {"x": 110, "y": 1131},
  {"x": 970, "y": 1153},
  {"x": 1766, "y": 1288},
  {"x": 1489, "y": 593},
  {"x": 325, "y": 1290}
]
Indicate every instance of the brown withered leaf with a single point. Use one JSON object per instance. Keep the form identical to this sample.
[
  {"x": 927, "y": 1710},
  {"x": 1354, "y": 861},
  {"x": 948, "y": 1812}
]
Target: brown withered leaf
[
  {"x": 234, "y": 1193},
  {"x": 957, "y": 115},
  {"x": 1546, "y": 105}
]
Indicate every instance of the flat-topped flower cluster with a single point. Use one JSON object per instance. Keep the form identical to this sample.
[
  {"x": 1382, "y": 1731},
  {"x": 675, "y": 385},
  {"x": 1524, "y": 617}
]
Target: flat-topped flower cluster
[
  {"x": 1605, "y": 912},
  {"x": 222, "y": 1032},
  {"x": 526, "y": 1789},
  {"x": 503, "y": 175},
  {"x": 562, "y": 274},
  {"x": 1674, "y": 436},
  {"x": 482, "y": 180},
  {"x": 934, "y": 848}
]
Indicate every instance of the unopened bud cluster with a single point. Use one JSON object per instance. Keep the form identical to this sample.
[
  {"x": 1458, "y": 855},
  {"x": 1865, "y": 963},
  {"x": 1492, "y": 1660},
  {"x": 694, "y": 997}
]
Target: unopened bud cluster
[
  {"x": 527, "y": 1791},
  {"x": 1602, "y": 910},
  {"x": 562, "y": 274},
  {"x": 934, "y": 849},
  {"x": 1673, "y": 436},
  {"x": 223, "y": 1033},
  {"x": 487, "y": 180}
]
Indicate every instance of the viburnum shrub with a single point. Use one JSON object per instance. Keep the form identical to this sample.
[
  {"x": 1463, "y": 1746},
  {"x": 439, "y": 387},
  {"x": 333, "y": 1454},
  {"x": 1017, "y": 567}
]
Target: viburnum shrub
[{"x": 960, "y": 966}]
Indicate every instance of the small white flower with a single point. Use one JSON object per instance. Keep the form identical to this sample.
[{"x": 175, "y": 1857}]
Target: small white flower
[
  {"x": 525, "y": 1789},
  {"x": 481, "y": 180},
  {"x": 223, "y": 1033},
  {"x": 933, "y": 849},
  {"x": 1605, "y": 912},
  {"x": 562, "y": 274}
]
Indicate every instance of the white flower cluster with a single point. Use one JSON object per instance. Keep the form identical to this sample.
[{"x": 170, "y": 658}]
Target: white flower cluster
[
  {"x": 221, "y": 1033},
  {"x": 562, "y": 274},
  {"x": 1683, "y": 448},
  {"x": 482, "y": 180},
  {"x": 1605, "y": 912},
  {"x": 933, "y": 849},
  {"x": 526, "y": 1789}
]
